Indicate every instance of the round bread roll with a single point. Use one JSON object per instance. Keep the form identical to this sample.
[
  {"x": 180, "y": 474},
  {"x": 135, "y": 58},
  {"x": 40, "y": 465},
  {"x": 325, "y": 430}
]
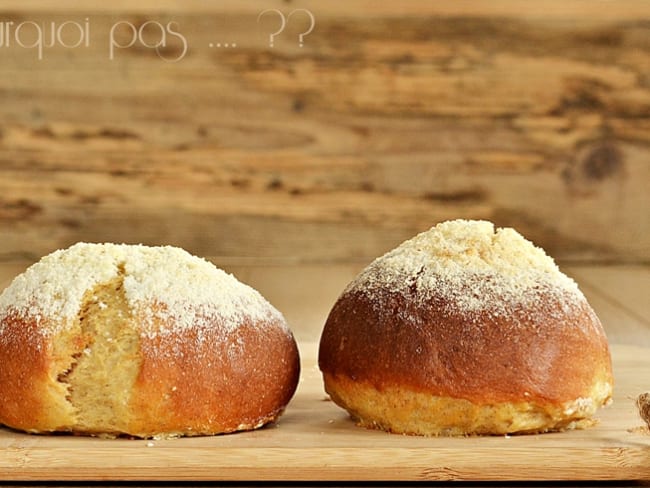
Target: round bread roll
[
  {"x": 464, "y": 330},
  {"x": 109, "y": 340}
]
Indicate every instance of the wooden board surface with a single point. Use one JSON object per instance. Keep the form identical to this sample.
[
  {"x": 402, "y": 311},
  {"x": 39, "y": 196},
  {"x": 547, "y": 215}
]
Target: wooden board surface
[
  {"x": 315, "y": 440},
  {"x": 391, "y": 118}
]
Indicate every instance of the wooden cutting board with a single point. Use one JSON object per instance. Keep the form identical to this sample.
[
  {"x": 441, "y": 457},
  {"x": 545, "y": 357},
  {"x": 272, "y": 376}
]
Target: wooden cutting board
[{"x": 315, "y": 440}]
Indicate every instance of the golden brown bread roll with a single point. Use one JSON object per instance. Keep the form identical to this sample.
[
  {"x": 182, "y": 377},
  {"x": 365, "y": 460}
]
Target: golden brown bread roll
[
  {"x": 465, "y": 330},
  {"x": 108, "y": 339}
]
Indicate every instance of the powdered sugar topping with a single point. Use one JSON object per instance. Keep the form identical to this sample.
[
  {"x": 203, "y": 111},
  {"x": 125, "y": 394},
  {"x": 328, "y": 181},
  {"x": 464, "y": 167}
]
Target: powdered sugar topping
[
  {"x": 184, "y": 288},
  {"x": 472, "y": 266}
]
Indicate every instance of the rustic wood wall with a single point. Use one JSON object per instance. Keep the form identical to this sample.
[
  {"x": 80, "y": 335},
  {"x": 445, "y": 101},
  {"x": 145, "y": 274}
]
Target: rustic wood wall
[{"x": 391, "y": 117}]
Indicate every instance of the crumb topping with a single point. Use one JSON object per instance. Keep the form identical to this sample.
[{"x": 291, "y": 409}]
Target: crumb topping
[
  {"x": 164, "y": 283},
  {"x": 473, "y": 267}
]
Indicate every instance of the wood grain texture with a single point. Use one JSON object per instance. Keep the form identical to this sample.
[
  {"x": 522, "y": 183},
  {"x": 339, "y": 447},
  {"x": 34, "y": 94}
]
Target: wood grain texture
[
  {"x": 316, "y": 441},
  {"x": 389, "y": 119}
]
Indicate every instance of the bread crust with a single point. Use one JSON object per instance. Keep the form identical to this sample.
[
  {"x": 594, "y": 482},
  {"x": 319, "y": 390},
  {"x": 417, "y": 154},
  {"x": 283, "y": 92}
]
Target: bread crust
[
  {"x": 32, "y": 400},
  {"x": 427, "y": 348},
  {"x": 380, "y": 363},
  {"x": 197, "y": 386}
]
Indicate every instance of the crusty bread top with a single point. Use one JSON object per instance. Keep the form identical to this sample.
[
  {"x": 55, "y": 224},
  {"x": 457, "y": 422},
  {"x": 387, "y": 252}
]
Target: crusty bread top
[
  {"x": 166, "y": 285},
  {"x": 473, "y": 267}
]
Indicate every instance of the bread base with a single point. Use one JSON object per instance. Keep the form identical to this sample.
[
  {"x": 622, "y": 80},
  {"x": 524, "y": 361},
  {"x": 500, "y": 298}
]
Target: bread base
[{"x": 404, "y": 411}]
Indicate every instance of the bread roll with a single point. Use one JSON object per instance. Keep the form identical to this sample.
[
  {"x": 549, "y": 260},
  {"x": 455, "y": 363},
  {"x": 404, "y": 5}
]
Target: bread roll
[
  {"x": 109, "y": 340},
  {"x": 465, "y": 330}
]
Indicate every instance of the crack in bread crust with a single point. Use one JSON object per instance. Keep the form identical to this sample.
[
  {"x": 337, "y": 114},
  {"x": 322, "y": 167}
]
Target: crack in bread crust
[{"x": 105, "y": 362}]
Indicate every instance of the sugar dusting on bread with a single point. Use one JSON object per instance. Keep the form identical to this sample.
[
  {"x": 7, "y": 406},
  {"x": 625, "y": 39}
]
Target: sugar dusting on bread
[
  {"x": 185, "y": 288},
  {"x": 473, "y": 267}
]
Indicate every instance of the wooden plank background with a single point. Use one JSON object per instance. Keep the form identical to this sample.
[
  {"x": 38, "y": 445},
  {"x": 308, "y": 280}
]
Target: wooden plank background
[{"x": 392, "y": 116}]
